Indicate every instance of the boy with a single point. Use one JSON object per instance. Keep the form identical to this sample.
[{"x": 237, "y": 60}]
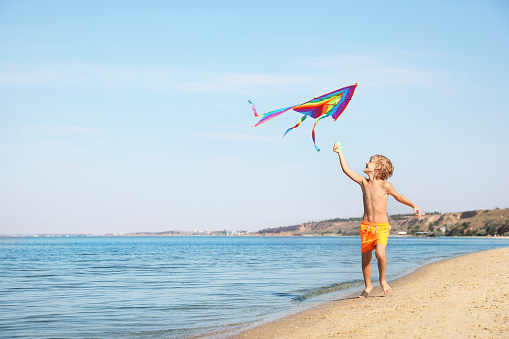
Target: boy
[{"x": 375, "y": 226}]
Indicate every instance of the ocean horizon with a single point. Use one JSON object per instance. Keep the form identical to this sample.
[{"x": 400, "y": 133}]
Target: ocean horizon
[{"x": 178, "y": 287}]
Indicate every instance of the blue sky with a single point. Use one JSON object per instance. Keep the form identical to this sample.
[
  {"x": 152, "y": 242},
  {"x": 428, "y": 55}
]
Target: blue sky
[{"x": 126, "y": 116}]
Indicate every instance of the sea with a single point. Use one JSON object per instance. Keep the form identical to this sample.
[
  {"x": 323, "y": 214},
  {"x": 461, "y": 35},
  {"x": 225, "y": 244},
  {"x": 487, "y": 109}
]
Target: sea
[{"x": 182, "y": 287}]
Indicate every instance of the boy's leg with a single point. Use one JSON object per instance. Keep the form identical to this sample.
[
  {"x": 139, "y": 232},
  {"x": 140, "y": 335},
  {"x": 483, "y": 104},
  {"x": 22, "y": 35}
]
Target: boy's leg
[
  {"x": 366, "y": 272},
  {"x": 382, "y": 265}
]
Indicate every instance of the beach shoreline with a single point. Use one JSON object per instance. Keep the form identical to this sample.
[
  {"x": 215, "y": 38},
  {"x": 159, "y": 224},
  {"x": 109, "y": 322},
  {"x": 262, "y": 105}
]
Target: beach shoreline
[{"x": 464, "y": 296}]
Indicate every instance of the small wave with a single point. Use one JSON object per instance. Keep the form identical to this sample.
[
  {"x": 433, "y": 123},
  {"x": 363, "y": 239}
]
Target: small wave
[{"x": 306, "y": 294}]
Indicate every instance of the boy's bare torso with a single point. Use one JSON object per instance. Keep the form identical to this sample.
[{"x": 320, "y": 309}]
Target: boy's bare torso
[{"x": 375, "y": 196}]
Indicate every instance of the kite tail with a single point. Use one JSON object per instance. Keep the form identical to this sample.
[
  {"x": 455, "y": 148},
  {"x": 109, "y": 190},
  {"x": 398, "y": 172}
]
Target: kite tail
[
  {"x": 313, "y": 133},
  {"x": 298, "y": 124},
  {"x": 254, "y": 108}
]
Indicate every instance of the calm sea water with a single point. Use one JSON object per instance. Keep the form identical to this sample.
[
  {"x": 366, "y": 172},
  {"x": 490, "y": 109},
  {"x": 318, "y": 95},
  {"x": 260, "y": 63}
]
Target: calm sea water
[{"x": 176, "y": 287}]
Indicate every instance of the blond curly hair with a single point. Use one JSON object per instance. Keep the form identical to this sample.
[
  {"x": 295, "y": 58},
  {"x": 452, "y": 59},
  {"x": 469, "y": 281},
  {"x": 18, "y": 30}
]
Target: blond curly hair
[{"x": 384, "y": 166}]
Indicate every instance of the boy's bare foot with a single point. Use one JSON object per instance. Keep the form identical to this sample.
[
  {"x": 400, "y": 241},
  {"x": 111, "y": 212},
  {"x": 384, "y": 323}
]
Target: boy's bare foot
[
  {"x": 385, "y": 286},
  {"x": 366, "y": 292}
]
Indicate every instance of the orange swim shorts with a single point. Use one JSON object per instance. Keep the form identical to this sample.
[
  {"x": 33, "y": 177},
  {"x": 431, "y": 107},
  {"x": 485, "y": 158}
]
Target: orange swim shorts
[{"x": 373, "y": 233}]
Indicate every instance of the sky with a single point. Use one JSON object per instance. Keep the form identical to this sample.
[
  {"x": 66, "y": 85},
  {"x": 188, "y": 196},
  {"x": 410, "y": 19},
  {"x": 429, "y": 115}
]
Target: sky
[{"x": 133, "y": 116}]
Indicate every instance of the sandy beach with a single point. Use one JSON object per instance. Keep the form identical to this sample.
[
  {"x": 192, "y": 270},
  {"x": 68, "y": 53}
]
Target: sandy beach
[{"x": 463, "y": 297}]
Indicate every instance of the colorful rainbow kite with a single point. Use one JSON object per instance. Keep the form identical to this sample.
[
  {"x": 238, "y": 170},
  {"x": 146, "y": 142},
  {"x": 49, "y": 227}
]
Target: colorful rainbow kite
[{"x": 333, "y": 103}]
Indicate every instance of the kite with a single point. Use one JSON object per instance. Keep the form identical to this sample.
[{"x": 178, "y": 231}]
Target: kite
[{"x": 330, "y": 104}]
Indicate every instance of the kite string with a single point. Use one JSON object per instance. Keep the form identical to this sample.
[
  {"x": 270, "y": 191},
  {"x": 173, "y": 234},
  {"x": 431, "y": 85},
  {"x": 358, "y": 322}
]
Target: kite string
[{"x": 326, "y": 88}]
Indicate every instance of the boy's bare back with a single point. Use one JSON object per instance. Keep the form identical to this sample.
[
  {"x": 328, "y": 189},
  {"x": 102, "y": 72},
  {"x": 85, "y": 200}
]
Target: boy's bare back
[{"x": 374, "y": 197}]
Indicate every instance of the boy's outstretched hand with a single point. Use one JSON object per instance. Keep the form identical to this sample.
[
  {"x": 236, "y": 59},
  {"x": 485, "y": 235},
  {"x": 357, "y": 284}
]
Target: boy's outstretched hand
[{"x": 417, "y": 212}]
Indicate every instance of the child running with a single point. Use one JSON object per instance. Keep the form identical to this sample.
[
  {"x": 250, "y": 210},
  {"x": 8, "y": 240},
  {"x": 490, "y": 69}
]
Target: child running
[{"x": 375, "y": 226}]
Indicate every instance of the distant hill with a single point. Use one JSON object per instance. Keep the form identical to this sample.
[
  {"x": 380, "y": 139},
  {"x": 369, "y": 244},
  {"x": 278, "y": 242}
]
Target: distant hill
[{"x": 469, "y": 223}]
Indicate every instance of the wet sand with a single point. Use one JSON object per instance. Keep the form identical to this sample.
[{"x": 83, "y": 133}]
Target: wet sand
[{"x": 463, "y": 297}]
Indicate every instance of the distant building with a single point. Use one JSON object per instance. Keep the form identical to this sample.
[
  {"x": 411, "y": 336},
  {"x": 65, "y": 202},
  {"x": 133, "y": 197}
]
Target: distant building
[{"x": 402, "y": 233}]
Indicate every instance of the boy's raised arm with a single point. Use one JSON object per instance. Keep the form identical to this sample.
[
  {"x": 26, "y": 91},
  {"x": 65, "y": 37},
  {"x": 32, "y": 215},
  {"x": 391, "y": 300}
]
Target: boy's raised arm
[{"x": 344, "y": 166}]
